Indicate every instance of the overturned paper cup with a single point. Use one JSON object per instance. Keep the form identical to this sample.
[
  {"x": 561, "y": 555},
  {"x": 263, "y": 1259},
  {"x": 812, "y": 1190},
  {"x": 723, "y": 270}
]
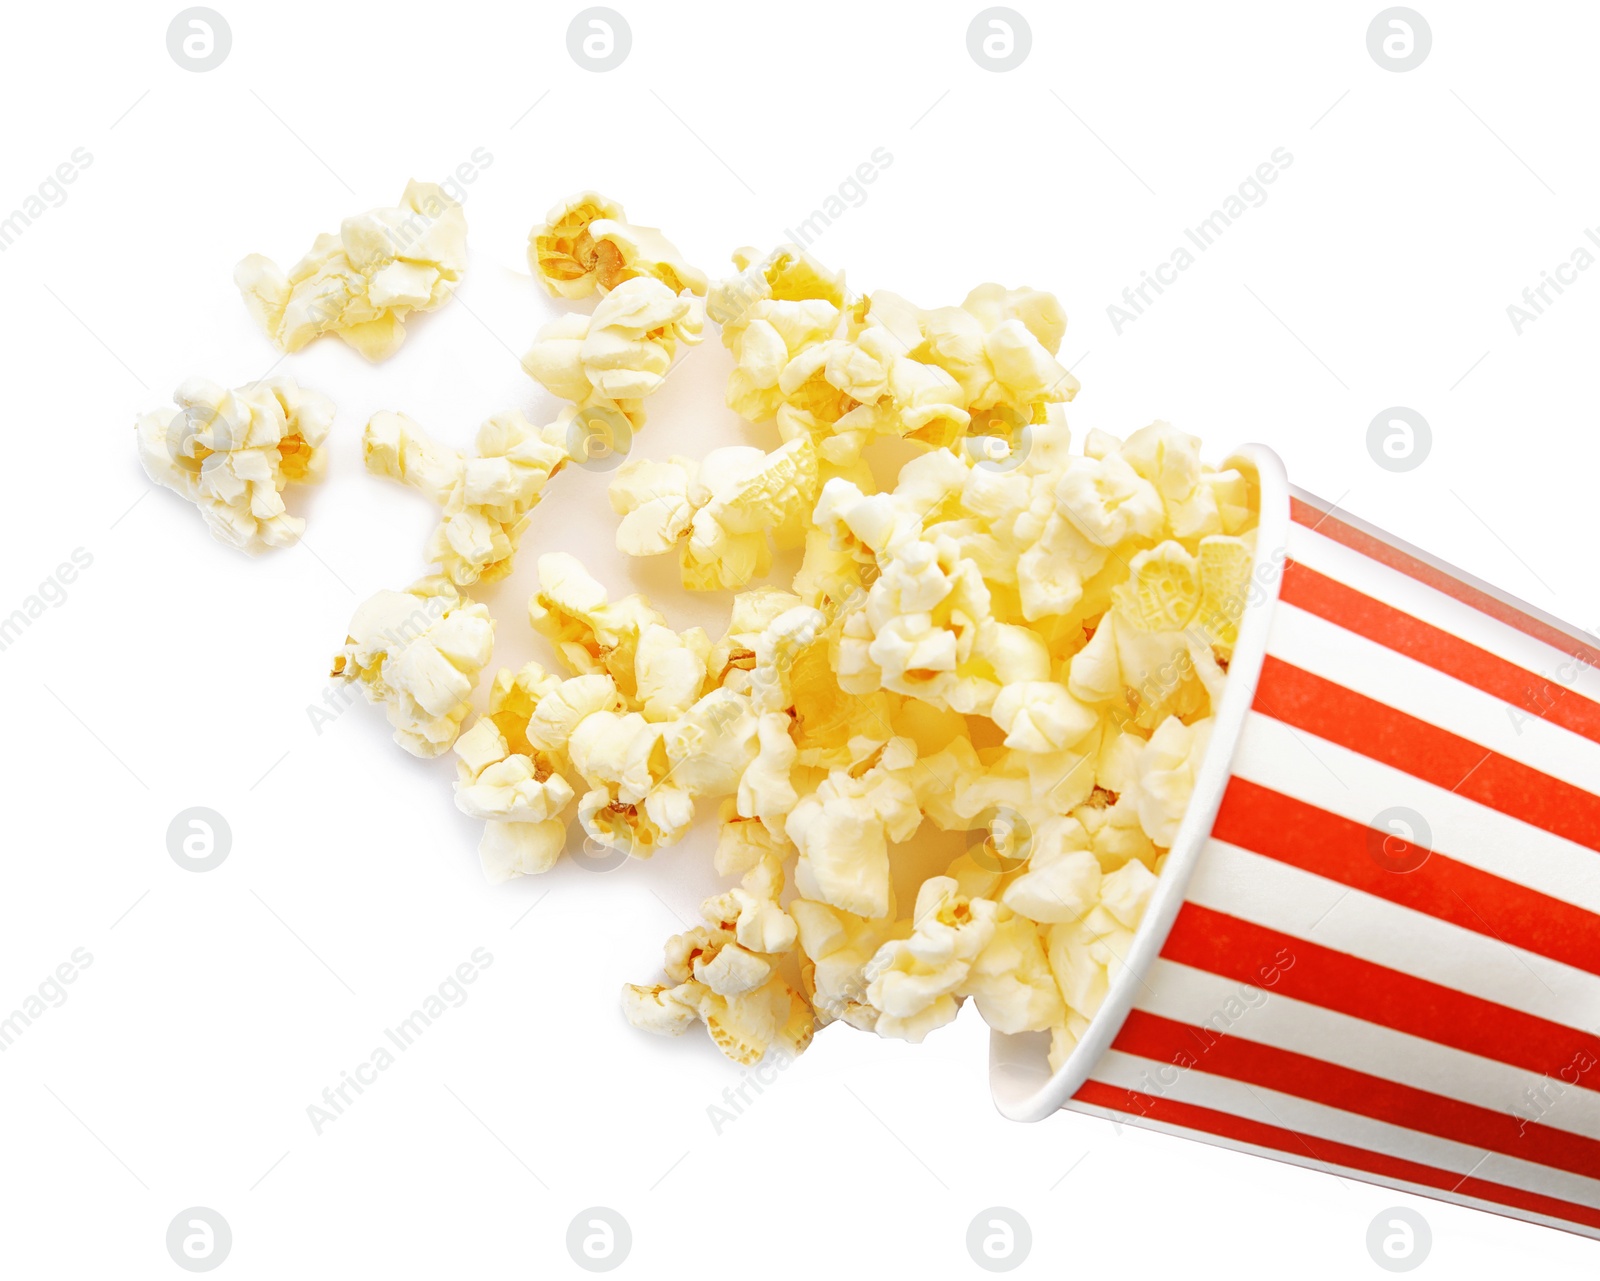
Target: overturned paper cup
[{"x": 1375, "y": 946}]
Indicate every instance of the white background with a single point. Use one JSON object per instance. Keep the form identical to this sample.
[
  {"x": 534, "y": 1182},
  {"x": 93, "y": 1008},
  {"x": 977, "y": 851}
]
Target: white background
[{"x": 178, "y": 672}]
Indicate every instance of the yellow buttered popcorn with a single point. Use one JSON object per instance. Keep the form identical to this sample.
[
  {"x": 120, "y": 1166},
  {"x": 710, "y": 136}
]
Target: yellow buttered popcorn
[
  {"x": 419, "y": 653},
  {"x": 609, "y": 361},
  {"x": 585, "y": 244},
  {"x": 842, "y": 830},
  {"x": 951, "y": 624},
  {"x": 719, "y": 512},
  {"x": 590, "y": 632},
  {"x": 485, "y": 500},
  {"x": 232, "y": 453},
  {"x": 912, "y": 981},
  {"x": 515, "y": 785},
  {"x": 1028, "y": 650},
  {"x": 362, "y": 283},
  {"x": 729, "y": 974}
]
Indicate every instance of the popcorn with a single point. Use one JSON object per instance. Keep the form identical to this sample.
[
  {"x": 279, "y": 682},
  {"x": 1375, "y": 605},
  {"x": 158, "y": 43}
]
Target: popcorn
[
  {"x": 1042, "y": 716},
  {"x": 497, "y": 784},
  {"x": 717, "y": 513},
  {"x": 1108, "y": 502},
  {"x": 781, "y": 276},
  {"x": 986, "y": 630},
  {"x": 1166, "y": 773},
  {"x": 1162, "y": 591},
  {"x": 837, "y": 947},
  {"x": 744, "y": 1026},
  {"x": 231, "y": 453},
  {"x": 669, "y": 670},
  {"x": 926, "y": 630},
  {"x": 419, "y": 653},
  {"x": 584, "y": 245},
  {"x": 1011, "y": 981},
  {"x": 645, "y": 776},
  {"x": 571, "y": 611},
  {"x": 485, "y": 500},
  {"x": 1086, "y": 955},
  {"x": 912, "y": 981},
  {"x": 1062, "y": 879},
  {"x": 1000, "y": 346},
  {"x": 560, "y": 711},
  {"x": 749, "y": 615},
  {"x": 512, "y": 848},
  {"x": 843, "y": 829},
  {"x": 611, "y": 360},
  {"x": 733, "y": 988},
  {"x": 1170, "y": 461},
  {"x": 771, "y": 334},
  {"x": 362, "y": 283},
  {"x": 883, "y": 367},
  {"x": 518, "y": 792}
]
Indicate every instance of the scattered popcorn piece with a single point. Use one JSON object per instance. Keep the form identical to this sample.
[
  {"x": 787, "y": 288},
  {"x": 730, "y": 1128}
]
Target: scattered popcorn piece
[
  {"x": 734, "y": 989},
  {"x": 717, "y": 513},
  {"x": 745, "y": 1026},
  {"x": 1170, "y": 461},
  {"x": 609, "y": 361},
  {"x": 1000, "y": 345},
  {"x": 571, "y": 611},
  {"x": 511, "y": 849},
  {"x": 912, "y": 982},
  {"x": 584, "y": 245},
  {"x": 496, "y": 783},
  {"x": 362, "y": 283},
  {"x": 231, "y": 453},
  {"x": 419, "y": 653},
  {"x": 837, "y": 947},
  {"x": 485, "y": 500},
  {"x": 843, "y": 829},
  {"x": 518, "y": 794},
  {"x": 1011, "y": 980},
  {"x": 783, "y": 275}
]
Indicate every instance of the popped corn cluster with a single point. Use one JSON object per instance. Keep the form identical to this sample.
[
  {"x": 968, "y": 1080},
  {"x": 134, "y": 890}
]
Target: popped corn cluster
[
  {"x": 362, "y": 283},
  {"x": 231, "y": 453},
  {"x": 1005, "y": 639},
  {"x": 419, "y": 653},
  {"x": 1027, "y": 652},
  {"x": 484, "y": 500},
  {"x": 998, "y": 638},
  {"x": 607, "y": 362}
]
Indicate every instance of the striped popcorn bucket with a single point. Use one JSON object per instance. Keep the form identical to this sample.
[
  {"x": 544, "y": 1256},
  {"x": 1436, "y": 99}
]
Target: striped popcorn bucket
[{"x": 1375, "y": 949}]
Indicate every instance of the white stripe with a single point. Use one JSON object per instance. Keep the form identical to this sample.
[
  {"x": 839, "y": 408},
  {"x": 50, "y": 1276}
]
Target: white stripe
[
  {"x": 1349, "y": 659},
  {"x": 1200, "y": 1000},
  {"x": 1306, "y": 1162},
  {"x": 1372, "y": 578},
  {"x": 1358, "y": 788},
  {"x": 1270, "y": 1107},
  {"x": 1296, "y": 902}
]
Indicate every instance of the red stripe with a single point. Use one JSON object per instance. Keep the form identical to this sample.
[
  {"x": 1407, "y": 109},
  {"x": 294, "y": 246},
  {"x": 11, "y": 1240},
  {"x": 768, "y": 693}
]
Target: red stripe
[
  {"x": 1304, "y": 971},
  {"x": 1543, "y": 696},
  {"x": 1152, "y": 1037},
  {"x": 1328, "y": 710},
  {"x": 1241, "y": 1130},
  {"x": 1340, "y": 849},
  {"x": 1386, "y": 553}
]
